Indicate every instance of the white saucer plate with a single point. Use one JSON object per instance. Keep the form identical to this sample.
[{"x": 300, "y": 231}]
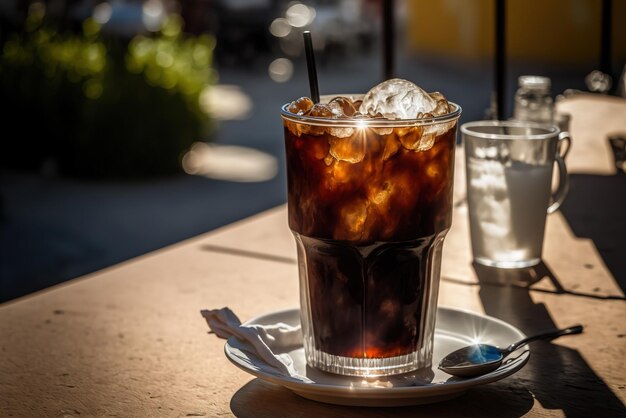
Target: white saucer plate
[{"x": 455, "y": 329}]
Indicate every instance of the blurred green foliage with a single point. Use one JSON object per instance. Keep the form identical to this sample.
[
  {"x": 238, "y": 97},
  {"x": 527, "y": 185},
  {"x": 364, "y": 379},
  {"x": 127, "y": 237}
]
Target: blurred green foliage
[{"x": 100, "y": 107}]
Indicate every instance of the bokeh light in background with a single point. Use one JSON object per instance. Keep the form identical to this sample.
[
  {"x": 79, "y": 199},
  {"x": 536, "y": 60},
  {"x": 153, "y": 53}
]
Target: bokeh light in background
[
  {"x": 280, "y": 27},
  {"x": 102, "y": 13},
  {"x": 288, "y": 29},
  {"x": 225, "y": 102},
  {"x": 153, "y": 14},
  {"x": 281, "y": 70},
  {"x": 299, "y": 15},
  {"x": 228, "y": 162}
]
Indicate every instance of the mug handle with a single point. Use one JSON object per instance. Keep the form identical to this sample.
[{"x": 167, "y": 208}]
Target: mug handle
[{"x": 561, "y": 191}]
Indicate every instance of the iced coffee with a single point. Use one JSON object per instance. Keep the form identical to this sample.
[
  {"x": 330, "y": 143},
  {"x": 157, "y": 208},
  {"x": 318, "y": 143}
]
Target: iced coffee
[{"x": 369, "y": 202}]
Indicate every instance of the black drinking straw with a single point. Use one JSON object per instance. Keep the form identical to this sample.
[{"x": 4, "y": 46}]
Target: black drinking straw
[
  {"x": 310, "y": 63},
  {"x": 499, "y": 59},
  {"x": 388, "y": 39}
]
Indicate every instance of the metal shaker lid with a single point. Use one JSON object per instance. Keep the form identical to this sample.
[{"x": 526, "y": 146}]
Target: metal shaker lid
[{"x": 534, "y": 82}]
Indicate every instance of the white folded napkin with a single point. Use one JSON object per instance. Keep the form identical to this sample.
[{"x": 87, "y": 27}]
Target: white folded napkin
[{"x": 259, "y": 340}]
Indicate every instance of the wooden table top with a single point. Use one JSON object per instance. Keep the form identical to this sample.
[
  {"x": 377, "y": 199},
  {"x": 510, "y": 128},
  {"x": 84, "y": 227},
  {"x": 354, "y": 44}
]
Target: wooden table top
[{"x": 129, "y": 340}]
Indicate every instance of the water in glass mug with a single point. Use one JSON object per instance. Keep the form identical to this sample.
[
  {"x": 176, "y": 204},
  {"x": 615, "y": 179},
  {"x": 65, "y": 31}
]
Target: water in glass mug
[{"x": 511, "y": 201}]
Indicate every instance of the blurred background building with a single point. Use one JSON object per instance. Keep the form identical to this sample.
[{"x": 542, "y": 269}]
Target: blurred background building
[{"x": 129, "y": 125}]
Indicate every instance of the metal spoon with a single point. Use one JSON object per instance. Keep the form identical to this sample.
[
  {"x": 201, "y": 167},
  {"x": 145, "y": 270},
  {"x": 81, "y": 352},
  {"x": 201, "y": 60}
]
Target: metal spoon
[{"x": 478, "y": 359}]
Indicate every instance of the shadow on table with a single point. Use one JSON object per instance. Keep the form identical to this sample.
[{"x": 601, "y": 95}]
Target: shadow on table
[
  {"x": 524, "y": 279},
  {"x": 595, "y": 208},
  {"x": 262, "y": 399},
  {"x": 248, "y": 254},
  {"x": 558, "y": 377}
]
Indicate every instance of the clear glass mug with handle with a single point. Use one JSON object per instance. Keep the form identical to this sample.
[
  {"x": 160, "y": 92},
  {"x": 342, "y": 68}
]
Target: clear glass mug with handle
[{"x": 509, "y": 167}]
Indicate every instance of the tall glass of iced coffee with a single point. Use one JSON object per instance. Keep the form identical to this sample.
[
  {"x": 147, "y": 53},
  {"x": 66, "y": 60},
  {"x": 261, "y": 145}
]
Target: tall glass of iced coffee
[{"x": 370, "y": 201}]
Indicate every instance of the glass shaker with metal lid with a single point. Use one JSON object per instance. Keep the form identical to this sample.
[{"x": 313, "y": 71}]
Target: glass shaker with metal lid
[{"x": 533, "y": 101}]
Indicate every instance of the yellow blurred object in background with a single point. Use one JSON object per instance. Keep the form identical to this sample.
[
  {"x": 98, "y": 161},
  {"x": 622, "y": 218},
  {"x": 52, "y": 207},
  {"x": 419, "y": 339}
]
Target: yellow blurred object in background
[{"x": 554, "y": 31}]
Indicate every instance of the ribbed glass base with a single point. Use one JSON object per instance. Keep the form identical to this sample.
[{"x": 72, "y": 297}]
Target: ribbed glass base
[
  {"x": 356, "y": 299},
  {"x": 367, "y": 367}
]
